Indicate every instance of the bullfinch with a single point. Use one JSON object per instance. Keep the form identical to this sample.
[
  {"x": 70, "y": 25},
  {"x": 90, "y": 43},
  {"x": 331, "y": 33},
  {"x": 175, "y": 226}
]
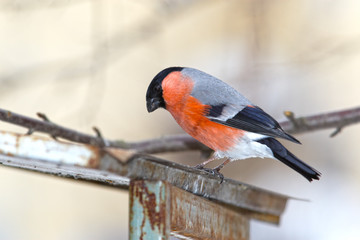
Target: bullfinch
[{"x": 220, "y": 117}]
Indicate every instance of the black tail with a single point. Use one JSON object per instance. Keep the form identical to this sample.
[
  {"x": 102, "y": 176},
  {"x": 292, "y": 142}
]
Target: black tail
[{"x": 282, "y": 154}]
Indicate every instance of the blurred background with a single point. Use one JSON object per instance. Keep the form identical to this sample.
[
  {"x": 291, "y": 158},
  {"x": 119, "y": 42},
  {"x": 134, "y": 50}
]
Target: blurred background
[{"x": 88, "y": 63}]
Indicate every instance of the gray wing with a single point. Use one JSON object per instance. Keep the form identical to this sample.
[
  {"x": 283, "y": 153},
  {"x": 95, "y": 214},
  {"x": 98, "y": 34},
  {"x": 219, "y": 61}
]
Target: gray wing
[
  {"x": 230, "y": 108},
  {"x": 212, "y": 91}
]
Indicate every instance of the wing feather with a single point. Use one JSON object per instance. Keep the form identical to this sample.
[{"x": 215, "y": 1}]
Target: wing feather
[{"x": 252, "y": 119}]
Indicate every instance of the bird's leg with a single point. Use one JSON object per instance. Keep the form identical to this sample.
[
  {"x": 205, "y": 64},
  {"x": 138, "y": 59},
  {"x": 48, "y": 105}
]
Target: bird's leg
[
  {"x": 219, "y": 167},
  {"x": 201, "y": 165}
]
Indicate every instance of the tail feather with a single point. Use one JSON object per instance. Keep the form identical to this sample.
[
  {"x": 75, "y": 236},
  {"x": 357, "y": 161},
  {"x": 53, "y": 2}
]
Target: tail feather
[{"x": 282, "y": 154}]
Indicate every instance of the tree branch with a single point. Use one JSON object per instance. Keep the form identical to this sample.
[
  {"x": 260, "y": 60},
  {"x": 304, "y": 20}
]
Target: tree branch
[
  {"x": 336, "y": 120},
  {"x": 171, "y": 143},
  {"x": 48, "y": 127}
]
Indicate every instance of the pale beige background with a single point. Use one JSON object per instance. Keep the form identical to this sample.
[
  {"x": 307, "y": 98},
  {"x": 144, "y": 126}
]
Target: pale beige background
[{"x": 87, "y": 63}]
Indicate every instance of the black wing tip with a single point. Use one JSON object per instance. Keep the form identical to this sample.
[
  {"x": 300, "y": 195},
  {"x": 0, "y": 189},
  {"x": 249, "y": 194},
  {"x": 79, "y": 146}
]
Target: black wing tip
[
  {"x": 315, "y": 176},
  {"x": 291, "y": 138},
  {"x": 254, "y": 119}
]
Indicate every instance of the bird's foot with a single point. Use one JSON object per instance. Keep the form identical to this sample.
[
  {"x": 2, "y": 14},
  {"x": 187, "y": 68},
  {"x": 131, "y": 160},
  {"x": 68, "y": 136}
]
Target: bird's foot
[
  {"x": 199, "y": 166},
  {"x": 213, "y": 171}
]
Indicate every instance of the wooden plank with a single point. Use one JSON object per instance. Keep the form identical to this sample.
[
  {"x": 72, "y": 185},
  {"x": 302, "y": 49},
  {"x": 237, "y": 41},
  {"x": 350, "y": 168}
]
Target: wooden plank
[
  {"x": 198, "y": 218},
  {"x": 156, "y": 207}
]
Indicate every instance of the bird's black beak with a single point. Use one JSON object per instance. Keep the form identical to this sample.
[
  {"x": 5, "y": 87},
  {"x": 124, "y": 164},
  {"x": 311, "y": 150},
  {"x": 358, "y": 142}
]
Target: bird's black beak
[{"x": 153, "y": 104}]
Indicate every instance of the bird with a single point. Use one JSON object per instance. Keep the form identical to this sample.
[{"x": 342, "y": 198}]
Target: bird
[{"x": 217, "y": 115}]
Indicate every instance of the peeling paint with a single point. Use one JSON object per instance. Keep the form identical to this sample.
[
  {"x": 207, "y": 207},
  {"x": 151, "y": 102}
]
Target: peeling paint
[
  {"x": 149, "y": 210},
  {"x": 35, "y": 147}
]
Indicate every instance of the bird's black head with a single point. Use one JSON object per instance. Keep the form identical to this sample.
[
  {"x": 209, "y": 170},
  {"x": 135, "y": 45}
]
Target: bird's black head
[{"x": 154, "y": 94}]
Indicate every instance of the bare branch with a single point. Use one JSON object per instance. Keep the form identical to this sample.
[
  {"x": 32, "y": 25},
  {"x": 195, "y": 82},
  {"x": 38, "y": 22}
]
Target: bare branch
[
  {"x": 172, "y": 143},
  {"x": 337, "y": 120},
  {"x": 175, "y": 143},
  {"x": 48, "y": 127}
]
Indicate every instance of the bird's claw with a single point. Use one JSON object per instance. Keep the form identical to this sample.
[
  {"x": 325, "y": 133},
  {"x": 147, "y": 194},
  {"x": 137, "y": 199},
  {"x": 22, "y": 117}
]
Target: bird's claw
[
  {"x": 200, "y": 167},
  {"x": 213, "y": 171}
]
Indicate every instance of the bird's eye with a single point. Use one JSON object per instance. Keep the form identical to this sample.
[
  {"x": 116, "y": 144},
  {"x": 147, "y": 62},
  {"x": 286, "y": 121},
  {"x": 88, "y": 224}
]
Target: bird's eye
[{"x": 157, "y": 88}]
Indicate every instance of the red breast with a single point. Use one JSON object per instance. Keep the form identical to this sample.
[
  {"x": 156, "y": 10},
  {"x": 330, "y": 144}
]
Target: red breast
[{"x": 190, "y": 114}]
